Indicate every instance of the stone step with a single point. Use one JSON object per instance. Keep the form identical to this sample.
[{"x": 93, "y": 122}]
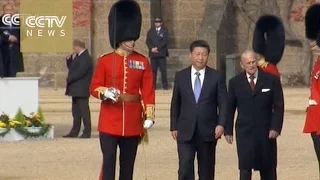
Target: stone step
[{"x": 178, "y": 52}]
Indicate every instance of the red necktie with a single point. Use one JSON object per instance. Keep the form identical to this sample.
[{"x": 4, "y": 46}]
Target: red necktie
[{"x": 252, "y": 82}]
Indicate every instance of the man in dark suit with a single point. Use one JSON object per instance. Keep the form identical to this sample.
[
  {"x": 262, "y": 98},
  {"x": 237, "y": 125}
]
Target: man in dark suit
[
  {"x": 258, "y": 97},
  {"x": 80, "y": 67},
  {"x": 157, "y": 42},
  {"x": 199, "y": 93},
  {"x": 10, "y": 46}
]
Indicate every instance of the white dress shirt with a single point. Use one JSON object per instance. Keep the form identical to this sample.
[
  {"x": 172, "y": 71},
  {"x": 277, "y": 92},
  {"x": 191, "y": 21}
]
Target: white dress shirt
[
  {"x": 193, "y": 75},
  {"x": 255, "y": 77},
  {"x": 81, "y": 52},
  {"x": 158, "y": 30}
]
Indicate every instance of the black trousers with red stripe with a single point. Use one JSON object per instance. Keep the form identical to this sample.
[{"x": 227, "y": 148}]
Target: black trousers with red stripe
[{"x": 128, "y": 149}]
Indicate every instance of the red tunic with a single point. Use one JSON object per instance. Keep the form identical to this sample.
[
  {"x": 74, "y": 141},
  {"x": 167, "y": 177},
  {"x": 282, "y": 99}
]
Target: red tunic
[
  {"x": 133, "y": 75},
  {"x": 312, "y": 122}
]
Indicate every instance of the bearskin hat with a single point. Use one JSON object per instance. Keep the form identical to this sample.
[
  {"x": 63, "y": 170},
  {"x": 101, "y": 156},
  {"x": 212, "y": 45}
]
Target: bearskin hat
[
  {"x": 124, "y": 22},
  {"x": 312, "y": 23},
  {"x": 269, "y": 38}
]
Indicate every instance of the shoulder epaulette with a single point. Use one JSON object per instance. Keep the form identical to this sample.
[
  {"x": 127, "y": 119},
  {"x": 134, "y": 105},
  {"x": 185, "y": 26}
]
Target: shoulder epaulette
[
  {"x": 106, "y": 54},
  {"x": 139, "y": 53}
]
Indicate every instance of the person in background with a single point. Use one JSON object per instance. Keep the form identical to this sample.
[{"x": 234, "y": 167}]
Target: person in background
[
  {"x": 157, "y": 42},
  {"x": 258, "y": 98},
  {"x": 198, "y": 113},
  {"x": 12, "y": 61},
  {"x": 80, "y": 67},
  {"x": 312, "y": 120}
]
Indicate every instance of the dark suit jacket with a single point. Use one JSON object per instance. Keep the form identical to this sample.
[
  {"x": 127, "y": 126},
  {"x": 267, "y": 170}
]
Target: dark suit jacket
[
  {"x": 259, "y": 111},
  {"x": 12, "y": 53},
  {"x": 160, "y": 41},
  {"x": 187, "y": 115},
  {"x": 79, "y": 75}
]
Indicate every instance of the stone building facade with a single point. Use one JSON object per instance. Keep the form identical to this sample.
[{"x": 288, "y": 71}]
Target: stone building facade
[{"x": 222, "y": 23}]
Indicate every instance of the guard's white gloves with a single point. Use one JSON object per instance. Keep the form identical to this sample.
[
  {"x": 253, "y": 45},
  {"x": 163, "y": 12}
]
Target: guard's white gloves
[
  {"x": 312, "y": 102},
  {"x": 147, "y": 124},
  {"x": 109, "y": 95}
]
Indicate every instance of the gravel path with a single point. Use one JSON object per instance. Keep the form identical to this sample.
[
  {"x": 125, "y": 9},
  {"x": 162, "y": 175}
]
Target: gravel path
[{"x": 78, "y": 159}]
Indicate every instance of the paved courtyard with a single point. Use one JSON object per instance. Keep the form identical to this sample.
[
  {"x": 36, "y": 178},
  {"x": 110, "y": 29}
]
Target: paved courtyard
[{"x": 80, "y": 159}]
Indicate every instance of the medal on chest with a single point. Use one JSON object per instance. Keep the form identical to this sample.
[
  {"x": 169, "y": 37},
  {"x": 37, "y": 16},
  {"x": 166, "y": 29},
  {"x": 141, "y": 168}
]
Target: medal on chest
[{"x": 138, "y": 65}]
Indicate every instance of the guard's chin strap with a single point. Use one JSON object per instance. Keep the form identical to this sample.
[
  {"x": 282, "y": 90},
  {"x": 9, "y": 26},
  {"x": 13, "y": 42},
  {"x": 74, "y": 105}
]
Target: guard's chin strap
[{"x": 128, "y": 47}]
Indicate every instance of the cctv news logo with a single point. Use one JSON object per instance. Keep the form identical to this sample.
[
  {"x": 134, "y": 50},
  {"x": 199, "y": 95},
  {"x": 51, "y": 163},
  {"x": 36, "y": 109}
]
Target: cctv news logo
[{"x": 37, "y": 25}]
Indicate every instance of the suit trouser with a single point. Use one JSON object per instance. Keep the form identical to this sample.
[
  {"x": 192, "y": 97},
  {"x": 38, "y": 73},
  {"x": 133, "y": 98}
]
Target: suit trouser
[
  {"x": 270, "y": 174},
  {"x": 128, "y": 149},
  {"x": 1, "y": 67},
  {"x": 161, "y": 63},
  {"x": 205, "y": 155},
  {"x": 8, "y": 70},
  {"x": 81, "y": 110},
  {"x": 316, "y": 145}
]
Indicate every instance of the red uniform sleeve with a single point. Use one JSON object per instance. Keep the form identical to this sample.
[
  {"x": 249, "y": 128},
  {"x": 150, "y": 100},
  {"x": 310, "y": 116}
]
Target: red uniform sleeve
[
  {"x": 273, "y": 69},
  {"x": 270, "y": 68},
  {"x": 147, "y": 91},
  {"x": 97, "y": 87}
]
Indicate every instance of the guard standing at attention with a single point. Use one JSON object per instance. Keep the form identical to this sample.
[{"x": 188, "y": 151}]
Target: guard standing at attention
[
  {"x": 312, "y": 121},
  {"x": 122, "y": 80}
]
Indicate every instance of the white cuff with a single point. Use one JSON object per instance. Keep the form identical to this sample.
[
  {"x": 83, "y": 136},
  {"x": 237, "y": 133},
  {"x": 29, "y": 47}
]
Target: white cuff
[{"x": 312, "y": 102}]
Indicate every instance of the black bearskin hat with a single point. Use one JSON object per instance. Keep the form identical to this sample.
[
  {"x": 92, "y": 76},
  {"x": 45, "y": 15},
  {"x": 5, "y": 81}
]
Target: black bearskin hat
[
  {"x": 312, "y": 23},
  {"x": 269, "y": 38},
  {"x": 124, "y": 22}
]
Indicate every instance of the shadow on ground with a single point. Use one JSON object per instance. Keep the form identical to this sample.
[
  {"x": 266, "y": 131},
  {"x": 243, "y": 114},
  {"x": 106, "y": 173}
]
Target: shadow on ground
[{"x": 63, "y": 129}]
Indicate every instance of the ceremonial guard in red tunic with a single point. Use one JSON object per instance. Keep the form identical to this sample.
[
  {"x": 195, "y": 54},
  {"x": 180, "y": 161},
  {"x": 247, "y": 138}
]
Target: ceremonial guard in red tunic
[
  {"x": 312, "y": 122},
  {"x": 122, "y": 80},
  {"x": 269, "y": 43}
]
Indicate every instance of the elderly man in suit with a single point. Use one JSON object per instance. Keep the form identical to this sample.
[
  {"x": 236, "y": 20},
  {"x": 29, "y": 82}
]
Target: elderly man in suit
[
  {"x": 258, "y": 97},
  {"x": 199, "y": 93},
  {"x": 80, "y": 67},
  {"x": 157, "y": 42}
]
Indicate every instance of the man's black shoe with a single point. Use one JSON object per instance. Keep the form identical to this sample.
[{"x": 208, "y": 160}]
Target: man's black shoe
[{"x": 84, "y": 136}]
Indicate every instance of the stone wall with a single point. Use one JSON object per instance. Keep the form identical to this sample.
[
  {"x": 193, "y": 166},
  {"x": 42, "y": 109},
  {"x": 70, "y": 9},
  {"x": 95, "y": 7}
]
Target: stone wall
[
  {"x": 90, "y": 25},
  {"x": 54, "y": 63},
  {"x": 185, "y": 20},
  {"x": 293, "y": 64}
]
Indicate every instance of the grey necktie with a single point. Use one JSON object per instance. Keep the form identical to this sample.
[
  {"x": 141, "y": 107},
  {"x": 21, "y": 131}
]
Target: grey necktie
[{"x": 197, "y": 87}]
